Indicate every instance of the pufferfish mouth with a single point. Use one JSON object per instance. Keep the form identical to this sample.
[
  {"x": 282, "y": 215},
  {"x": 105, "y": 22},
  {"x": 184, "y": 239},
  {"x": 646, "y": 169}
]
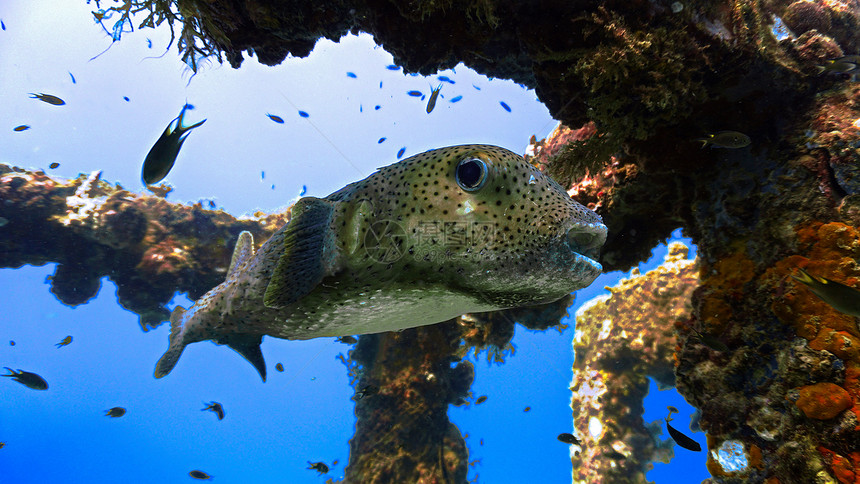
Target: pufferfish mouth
[{"x": 586, "y": 239}]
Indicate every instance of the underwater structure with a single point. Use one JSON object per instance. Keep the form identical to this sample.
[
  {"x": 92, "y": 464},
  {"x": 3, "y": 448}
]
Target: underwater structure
[{"x": 636, "y": 85}]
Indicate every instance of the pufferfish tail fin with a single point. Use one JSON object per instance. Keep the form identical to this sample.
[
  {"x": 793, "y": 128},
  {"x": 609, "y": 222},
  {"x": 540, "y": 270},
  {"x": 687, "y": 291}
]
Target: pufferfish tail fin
[{"x": 177, "y": 345}]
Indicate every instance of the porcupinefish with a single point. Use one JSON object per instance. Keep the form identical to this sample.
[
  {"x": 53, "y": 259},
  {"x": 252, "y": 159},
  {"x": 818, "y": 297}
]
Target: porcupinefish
[{"x": 455, "y": 230}]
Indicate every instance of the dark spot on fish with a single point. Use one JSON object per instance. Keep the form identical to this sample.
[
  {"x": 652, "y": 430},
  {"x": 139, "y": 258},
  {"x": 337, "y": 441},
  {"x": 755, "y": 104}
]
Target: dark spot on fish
[
  {"x": 505, "y": 106},
  {"x": 304, "y": 114}
]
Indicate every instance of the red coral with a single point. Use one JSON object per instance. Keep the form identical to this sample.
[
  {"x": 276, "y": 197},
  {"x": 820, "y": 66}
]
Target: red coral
[{"x": 823, "y": 401}]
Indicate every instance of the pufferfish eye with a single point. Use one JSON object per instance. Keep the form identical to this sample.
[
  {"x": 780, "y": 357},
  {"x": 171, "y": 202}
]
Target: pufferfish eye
[{"x": 471, "y": 174}]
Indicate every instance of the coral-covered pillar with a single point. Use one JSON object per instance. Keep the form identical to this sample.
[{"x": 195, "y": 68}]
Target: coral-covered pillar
[{"x": 782, "y": 404}]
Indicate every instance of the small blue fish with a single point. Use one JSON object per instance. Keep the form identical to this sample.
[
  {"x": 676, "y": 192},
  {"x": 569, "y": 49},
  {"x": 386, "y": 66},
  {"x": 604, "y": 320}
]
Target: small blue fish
[
  {"x": 2, "y": 25},
  {"x": 400, "y": 152},
  {"x": 476, "y": 87},
  {"x": 126, "y": 99},
  {"x": 505, "y": 106},
  {"x": 377, "y": 107},
  {"x": 392, "y": 67},
  {"x": 304, "y": 190},
  {"x": 380, "y": 84},
  {"x": 446, "y": 79},
  {"x": 273, "y": 186},
  {"x": 304, "y": 114},
  {"x": 276, "y": 119},
  {"x": 148, "y": 44},
  {"x": 73, "y": 78},
  {"x": 455, "y": 99},
  {"x": 23, "y": 127},
  {"x": 262, "y": 175},
  {"x": 360, "y": 108},
  {"x": 351, "y": 75},
  {"x": 163, "y": 153},
  {"x": 380, "y": 140},
  {"x": 431, "y": 103},
  {"x": 415, "y": 93}
]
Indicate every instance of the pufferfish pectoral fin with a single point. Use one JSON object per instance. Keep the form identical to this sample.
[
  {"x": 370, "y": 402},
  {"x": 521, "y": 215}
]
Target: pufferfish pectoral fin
[
  {"x": 177, "y": 343},
  {"x": 243, "y": 252},
  {"x": 247, "y": 345},
  {"x": 308, "y": 253}
]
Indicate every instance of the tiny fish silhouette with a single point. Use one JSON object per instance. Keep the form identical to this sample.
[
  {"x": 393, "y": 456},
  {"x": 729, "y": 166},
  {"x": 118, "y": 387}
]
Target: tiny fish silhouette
[
  {"x": 216, "y": 408},
  {"x": 200, "y": 475},
  {"x": 351, "y": 75},
  {"x": 400, "y": 152},
  {"x": 64, "y": 342},
  {"x": 318, "y": 466},
  {"x": 455, "y": 99},
  {"x": 505, "y": 106},
  {"x": 115, "y": 412},
  {"x": 162, "y": 155},
  {"x": 431, "y": 103},
  {"x": 680, "y": 438},
  {"x": 54, "y": 165},
  {"x": 348, "y": 340},
  {"x": 29, "y": 380},
  {"x": 568, "y": 438},
  {"x": 415, "y": 93},
  {"x": 48, "y": 98},
  {"x": 279, "y": 367},
  {"x": 481, "y": 399},
  {"x": 726, "y": 139},
  {"x": 23, "y": 127},
  {"x": 276, "y": 119},
  {"x": 304, "y": 114}
]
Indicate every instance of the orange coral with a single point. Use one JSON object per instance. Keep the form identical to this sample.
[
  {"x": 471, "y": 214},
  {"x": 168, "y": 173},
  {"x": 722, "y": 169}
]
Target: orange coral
[
  {"x": 755, "y": 459},
  {"x": 823, "y": 400},
  {"x": 843, "y": 468}
]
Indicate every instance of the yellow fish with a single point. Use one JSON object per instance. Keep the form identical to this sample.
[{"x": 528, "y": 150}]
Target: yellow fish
[
  {"x": 65, "y": 342},
  {"x": 431, "y": 103},
  {"x": 840, "y": 297},
  {"x": 455, "y": 230}
]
